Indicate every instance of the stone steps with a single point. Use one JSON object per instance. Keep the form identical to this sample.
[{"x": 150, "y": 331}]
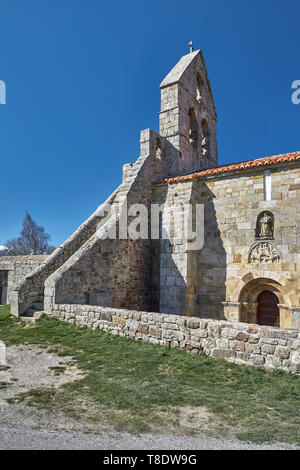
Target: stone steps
[
  {"x": 38, "y": 305},
  {"x": 31, "y": 317},
  {"x": 30, "y": 311},
  {"x": 34, "y": 311}
]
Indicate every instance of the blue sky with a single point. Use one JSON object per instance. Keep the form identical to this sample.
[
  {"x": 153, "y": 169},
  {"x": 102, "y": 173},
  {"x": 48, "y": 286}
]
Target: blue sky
[{"x": 83, "y": 78}]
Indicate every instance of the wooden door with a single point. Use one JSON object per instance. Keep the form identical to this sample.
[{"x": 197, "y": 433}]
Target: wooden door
[{"x": 267, "y": 309}]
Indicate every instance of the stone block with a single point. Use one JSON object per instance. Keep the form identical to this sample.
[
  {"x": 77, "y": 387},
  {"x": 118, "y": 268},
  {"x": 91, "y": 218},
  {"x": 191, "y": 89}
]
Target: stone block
[
  {"x": 256, "y": 360},
  {"x": 223, "y": 353},
  {"x": 192, "y": 322},
  {"x": 200, "y": 333},
  {"x": 241, "y": 336},
  {"x": 229, "y": 333},
  {"x": 267, "y": 349},
  {"x": 143, "y": 328},
  {"x": 282, "y": 352}
]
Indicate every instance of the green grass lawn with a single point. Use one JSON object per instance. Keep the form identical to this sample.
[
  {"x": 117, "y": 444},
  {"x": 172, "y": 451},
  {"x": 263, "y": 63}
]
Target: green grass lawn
[{"x": 136, "y": 385}]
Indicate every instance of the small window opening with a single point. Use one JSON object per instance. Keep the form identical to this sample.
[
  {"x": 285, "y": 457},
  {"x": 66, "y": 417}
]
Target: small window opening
[
  {"x": 200, "y": 84},
  {"x": 158, "y": 149},
  {"x": 193, "y": 132},
  {"x": 267, "y": 185},
  {"x": 87, "y": 296},
  {"x": 205, "y": 139}
]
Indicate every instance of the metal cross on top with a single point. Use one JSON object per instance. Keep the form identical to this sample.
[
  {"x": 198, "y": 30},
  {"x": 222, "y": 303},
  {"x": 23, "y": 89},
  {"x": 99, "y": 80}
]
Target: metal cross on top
[{"x": 191, "y": 46}]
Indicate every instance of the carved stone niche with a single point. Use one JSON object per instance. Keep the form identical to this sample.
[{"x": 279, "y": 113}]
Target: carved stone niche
[
  {"x": 265, "y": 226},
  {"x": 264, "y": 252}
]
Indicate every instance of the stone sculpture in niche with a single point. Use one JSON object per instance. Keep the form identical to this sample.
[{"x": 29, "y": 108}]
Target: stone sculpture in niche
[
  {"x": 265, "y": 226},
  {"x": 264, "y": 250}
]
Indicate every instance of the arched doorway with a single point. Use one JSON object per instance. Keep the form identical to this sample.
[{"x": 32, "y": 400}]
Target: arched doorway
[
  {"x": 267, "y": 309},
  {"x": 261, "y": 301}
]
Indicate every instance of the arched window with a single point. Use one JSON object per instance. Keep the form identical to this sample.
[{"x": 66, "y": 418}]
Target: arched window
[
  {"x": 200, "y": 84},
  {"x": 158, "y": 149},
  {"x": 193, "y": 131},
  {"x": 205, "y": 138}
]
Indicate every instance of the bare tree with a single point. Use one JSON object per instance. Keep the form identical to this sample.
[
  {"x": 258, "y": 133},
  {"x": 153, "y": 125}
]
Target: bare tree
[
  {"x": 3, "y": 250},
  {"x": 50, "y": 249},
  {"x": 14, "y": 247},
  {"x": 33, "y": 240},
  {"x": 33, "y": 237}
]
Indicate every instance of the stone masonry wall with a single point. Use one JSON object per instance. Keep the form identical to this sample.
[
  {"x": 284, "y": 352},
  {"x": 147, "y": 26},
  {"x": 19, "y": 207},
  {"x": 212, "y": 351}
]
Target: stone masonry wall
[
  {"x": 105, "y": 273},
  {"x": 32, "y": 286},
  {"x": 217, "y": 286},
  {"x": 174, "y": 265},
  {"x": 241, "y": 343},
  {"x": 114, "y": 272},
  {"x": 18, "y": 267},
  {"x": 233, "y": 205}
]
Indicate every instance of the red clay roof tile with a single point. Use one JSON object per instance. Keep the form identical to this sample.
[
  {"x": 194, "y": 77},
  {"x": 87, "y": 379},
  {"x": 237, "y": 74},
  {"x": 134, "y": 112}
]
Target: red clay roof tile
[{"x": 286, "y": 157}]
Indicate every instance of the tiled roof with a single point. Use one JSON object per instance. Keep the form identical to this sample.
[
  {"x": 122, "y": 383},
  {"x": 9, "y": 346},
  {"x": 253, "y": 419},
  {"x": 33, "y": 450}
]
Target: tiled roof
[{"x": 283, "y": 158}]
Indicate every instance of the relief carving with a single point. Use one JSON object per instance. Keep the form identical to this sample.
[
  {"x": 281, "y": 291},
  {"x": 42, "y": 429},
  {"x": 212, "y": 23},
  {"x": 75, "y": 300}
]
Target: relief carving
[{"x": 264, "y": 252}]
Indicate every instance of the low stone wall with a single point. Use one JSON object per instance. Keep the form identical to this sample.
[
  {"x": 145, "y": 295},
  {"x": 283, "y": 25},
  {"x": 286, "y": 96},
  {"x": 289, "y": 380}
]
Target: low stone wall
[{"x": 241, "y": 343}]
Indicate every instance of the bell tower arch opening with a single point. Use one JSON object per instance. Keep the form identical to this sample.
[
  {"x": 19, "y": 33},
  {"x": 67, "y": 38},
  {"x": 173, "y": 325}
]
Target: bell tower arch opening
[
  {"x": 205, "y": 141},
  {"x": 200, "y": 86}
]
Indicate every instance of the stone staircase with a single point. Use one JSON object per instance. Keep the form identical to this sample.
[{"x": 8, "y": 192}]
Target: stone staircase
[{"x": 34, "y": 311}]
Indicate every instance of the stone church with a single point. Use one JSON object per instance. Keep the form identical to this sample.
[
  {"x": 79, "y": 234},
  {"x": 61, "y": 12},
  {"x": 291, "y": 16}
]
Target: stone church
[{"x": 248, "y": 269}]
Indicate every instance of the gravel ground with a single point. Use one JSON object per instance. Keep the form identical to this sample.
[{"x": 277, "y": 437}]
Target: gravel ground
[
  {"x": 21, "y": 437},
  {"x": 32, "y": 367}
]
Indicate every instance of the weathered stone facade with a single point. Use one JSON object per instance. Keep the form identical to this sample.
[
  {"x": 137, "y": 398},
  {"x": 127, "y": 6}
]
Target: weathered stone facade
[
  {"x": 251, "y": 250},
  {"x": 234, "y": 266}
]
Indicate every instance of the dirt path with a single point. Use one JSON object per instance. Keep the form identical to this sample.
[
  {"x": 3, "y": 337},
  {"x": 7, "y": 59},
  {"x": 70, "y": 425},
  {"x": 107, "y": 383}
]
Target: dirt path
[{"x": 32, "y": 367}]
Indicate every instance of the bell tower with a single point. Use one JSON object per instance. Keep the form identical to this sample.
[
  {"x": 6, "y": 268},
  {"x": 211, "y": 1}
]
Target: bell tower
[{"x": 188, "y": 117}]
